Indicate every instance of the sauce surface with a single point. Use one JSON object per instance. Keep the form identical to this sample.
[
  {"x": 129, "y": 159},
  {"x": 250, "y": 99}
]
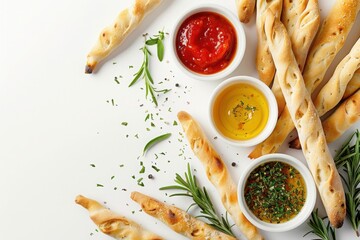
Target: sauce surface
[
  {"x": 240, "y": 112},
  {"x": 275, "y": 192},
  {"x": 206, "y": 42}
]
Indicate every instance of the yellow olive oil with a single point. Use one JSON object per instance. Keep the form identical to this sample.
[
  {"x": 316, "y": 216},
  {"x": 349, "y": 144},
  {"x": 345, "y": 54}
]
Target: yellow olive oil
[{"x": 240, "y": 111}]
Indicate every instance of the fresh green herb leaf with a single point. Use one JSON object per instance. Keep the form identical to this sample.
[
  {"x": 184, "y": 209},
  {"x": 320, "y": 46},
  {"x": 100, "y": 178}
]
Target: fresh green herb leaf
[
  {"x": 153, "y": 141},
  {"x": 160, "y": 50},
  {"x": 158, "y": 40},
  {"x": 318, "y": 227},
  {"x": 144, "y": 73},
  {"x": 201, "y": 198},
  {"x": 348, "y": 159},
  {"x": 152, "y": 41}
]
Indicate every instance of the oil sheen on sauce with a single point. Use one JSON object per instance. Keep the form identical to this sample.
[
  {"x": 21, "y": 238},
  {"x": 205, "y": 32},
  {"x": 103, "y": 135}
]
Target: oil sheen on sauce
[
  {"x": 240, "y": 111},
  {"x": 275, "y": 192}
]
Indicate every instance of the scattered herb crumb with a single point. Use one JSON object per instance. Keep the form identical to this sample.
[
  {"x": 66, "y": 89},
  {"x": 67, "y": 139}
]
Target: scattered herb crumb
[
  {"x": 92, "y": 165},
  {"x": 142, "y": 169},
  {"x": 99, "y": 185},
  {"x": 150, "y": 176},
  {"x": 124, "y": 123},
  {"x": 175, "y": 123},
  {"x": 155, "y": 168},
  {"x": 112, "y": 177}
]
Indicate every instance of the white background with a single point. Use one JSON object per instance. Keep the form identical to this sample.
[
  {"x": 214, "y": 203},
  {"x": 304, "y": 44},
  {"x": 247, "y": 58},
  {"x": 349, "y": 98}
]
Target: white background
[{"x": 55, "y": 121}]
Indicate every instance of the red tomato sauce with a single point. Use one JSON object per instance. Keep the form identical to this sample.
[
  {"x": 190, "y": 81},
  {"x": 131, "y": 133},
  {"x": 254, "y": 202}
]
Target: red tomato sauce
[{"x": 206, "y": 42}]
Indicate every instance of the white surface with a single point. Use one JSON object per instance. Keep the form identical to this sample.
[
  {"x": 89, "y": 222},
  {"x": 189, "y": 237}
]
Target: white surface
[{"x": 55, "y": 120}]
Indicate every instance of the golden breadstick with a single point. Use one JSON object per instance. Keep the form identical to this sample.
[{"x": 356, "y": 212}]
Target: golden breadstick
[
  {"x": 343, "y": 118},
  {"x": 178, "y": 220},
  {"x": 353, "y": 85},
  {"x": 264, "y": 62},
  {"x": 245, "y": 9},
  {"x": 333, "y": 91},
  {"x": 329, "y": 40},
  {"x": 113, "y": 224},
  {"x": 307, "y": 121},
  {"x": 326, "y": 45},
  {"x": 112, "y": 36},
  {"x": 217, "y": 173},
  {"x": 302, "y": 20}
]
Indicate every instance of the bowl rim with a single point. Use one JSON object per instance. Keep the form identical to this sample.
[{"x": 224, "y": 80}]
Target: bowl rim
[
  {"x": 273, "y": 110},
  {"x": 240, "y": 33},
  {"x": 306, "y": 210}
]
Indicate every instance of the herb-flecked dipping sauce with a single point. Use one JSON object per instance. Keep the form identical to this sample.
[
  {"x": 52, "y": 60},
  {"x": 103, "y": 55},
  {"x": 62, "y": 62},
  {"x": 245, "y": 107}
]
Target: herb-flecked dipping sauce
[
  {"x": 206, "y": 42},
  {"x": 240, "y": 111},
  {"x": 275, "y": 192}
]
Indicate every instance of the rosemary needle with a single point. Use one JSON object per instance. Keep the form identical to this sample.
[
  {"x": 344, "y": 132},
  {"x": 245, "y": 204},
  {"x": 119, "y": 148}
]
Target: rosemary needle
[
  {"x": 202, "y": 199},
  {"x": 144, "y": 73},
  {"x": 325, "y": 232},
  {"x": 348, "y": 159}
]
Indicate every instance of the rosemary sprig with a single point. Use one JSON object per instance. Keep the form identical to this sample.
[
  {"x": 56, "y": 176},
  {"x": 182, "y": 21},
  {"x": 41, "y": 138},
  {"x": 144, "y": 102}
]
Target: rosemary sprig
[
  {"x": 144, "y": 73},
  {"x": 200, "y": 198},
  {"x": 348, "y": 159},
  {"x": 158, "y": 40},
  {"x": 319, "y": 229}
]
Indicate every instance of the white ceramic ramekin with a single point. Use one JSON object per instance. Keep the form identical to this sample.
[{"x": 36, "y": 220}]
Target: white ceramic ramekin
[
  {"x": 306, "y": 210},
  {"x": 273, "y": 109},
  {"x": 240, "y": 34}
]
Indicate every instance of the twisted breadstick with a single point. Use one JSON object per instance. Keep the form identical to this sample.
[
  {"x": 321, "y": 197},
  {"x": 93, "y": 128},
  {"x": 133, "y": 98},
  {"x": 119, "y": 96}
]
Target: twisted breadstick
[
  {"x": 178, "y": 220},
  {"x": 307, "y": 122},
  {"x": 343, "y": 118},
  {"x": 333, "y": 91},
  {"x": 327, "y": 43},
  {"x": 353, "y": 85},
  {"x": 245, "y": 9},
  {"x": 264, "y": 63},
  {"x": 302, "y": 20},
  {"x": 113, "y": 224},
  {"x": 217, "y": 173},
  {"x": 112, "y": 36}
]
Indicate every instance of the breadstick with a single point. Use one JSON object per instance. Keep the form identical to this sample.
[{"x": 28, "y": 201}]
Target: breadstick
[
  {"x": 353, "y": 85},
  {"x": 112, "y": 36},
  {"x": 302, "y": 20},
  {"x": 326, "y": 45},
  {"x": 264, "y": 63},
  {"x": 178, "y": 220},
  {"x": 331, "y": 94},
  {"x": 307, "y": 121},
  {"x": 329, "y": 40},
  {"x": 113, "y": 224},
  {"x": 343, "y": 118},
  {"x": 217, "y": 173},
  {"x": 245, "y": 9}
]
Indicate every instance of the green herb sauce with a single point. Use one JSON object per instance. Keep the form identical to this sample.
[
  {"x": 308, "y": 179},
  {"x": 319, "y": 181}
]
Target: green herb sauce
[{"x": 275, "y": 192}]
